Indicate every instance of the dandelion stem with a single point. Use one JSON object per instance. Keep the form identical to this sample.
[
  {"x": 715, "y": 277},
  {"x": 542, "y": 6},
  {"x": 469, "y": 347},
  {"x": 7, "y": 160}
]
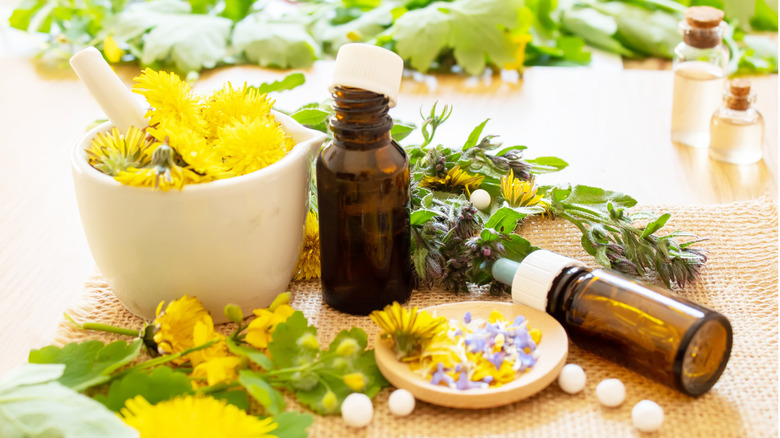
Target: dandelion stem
[
  {"x": 104, "y": 327},
  {"x": 218, "y": 387},
  {"x": 162, "y": 359}
]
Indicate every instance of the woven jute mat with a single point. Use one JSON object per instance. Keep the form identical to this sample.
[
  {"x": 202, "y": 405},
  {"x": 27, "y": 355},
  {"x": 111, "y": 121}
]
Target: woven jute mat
[{"x": 740, "y": 280}]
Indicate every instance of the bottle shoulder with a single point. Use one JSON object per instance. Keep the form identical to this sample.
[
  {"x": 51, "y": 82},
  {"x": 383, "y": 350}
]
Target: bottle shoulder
[
  {"x": 749, "y": 116},
  {"x": 384, "y": 161}
]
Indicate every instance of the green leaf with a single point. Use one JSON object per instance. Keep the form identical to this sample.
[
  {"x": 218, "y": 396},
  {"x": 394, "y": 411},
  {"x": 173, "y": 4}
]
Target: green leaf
[
  {"x": 256, "y": 385},
  {"x": 236, "y": 10},
  {"x": 284, "y": 347},
  {"x": 310, "y": 116},
  {"x": 765, "y": 18},
  {"x": 544, "y": 165},
  {"x": 173, "y": 35},
  {"x": 581, "y": 194},
  {"x": 88, "y": 363},
  {"x": 517, "y": 247},
  {"x": 291, "y": 81},
  {"x": 504, "y": 220},
  {"x": 597, "y": 28},
  {"x": 32, "y": 403},
  {"x": 355, "y": 333},
  {"x": 163, "y": 383},
  {"x": 31, "y": 12},
  {"x": 401, "y": 130},
  {"x": 275, "y": 43},
  {"x": 375, "y": 381},
  {"x": 237, "y": 398},
  {"x": 472, "y": 29},
  {"x": 474, "y": 136},
  {"x": 313, "y": 397},
  {"x": 367, "y": 25},
  {"x": 501, "y": 152},
  {"x": 292, "y": 424},
  {"x": 252, "y": 354},
  {"x": 652, "y": 33},
  {"x": 420, "y": 217},
  {"x": 655, "y": 225}
]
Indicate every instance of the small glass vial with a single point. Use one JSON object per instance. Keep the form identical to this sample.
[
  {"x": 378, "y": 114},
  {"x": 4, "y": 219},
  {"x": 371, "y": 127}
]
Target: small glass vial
[
  {"x": 737, "y": 129},
  {"x": 647, "y": 329},
  {"x": 699, "y": 75},
  {"x": 363, "y": 187}
]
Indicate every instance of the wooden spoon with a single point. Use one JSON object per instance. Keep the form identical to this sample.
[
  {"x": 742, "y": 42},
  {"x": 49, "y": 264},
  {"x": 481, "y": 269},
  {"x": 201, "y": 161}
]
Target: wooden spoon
[{"x": 553, "y": 349}]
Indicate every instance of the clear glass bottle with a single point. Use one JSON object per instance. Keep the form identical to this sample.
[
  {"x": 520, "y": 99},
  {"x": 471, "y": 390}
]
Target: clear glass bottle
[
  {"x": 363, "y": 187},
  {"x": 737, "y": 129},
  {"x": 699, "y": 75},
  {"x": 645, "y": 328}
]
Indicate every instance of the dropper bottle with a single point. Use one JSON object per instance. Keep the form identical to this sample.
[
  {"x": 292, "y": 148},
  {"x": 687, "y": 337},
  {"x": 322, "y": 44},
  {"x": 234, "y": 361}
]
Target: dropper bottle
[
  {"x": 647, "y": 329},
  {"x": 363, "y": 187},
  {"x": 737, "y": 129}
]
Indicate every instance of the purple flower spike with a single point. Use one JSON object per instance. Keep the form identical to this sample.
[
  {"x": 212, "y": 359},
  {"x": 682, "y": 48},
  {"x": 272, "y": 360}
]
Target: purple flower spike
[
  {"x": 467, "y": 317},
  {"x": 488, "y": 379},
  {"x": 497, "y": 359},
  {"x": 464, "y": 383},
  {"x": 519, "y": 320}
]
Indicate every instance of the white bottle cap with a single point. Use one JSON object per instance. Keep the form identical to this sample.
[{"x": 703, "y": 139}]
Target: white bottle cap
[
  {"x": 122, "y": 108},
  {"x": 370, "y": 68},
  {"x": 535, "y": 276}
]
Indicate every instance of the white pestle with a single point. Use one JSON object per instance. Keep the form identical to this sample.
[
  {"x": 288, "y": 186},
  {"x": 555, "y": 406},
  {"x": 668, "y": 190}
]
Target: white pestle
[{"x": 119, "y": 104}]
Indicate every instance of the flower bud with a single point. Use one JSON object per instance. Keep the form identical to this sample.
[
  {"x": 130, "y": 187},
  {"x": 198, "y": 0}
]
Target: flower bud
[
  {"x": 308, "y": 341},
  {"x": 330, "y": 402},
  {"x": 355, "y": 381},
  {"x": 280, "y": 299},
  {"x": 347, "y": 347},
  {"x": 234, "y": 313}
]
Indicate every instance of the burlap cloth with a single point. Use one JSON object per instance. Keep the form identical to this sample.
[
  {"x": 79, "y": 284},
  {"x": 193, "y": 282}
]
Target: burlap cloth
[{"x": 740, "y": 280}]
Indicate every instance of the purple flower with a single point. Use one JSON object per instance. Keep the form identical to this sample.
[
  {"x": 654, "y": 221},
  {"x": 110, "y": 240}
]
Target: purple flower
[
  {"x": 464, "y": 383},
  {"x": 497, "y": 359},
  {"x": 467, "y": 317},
  {"x": 440, "y": 376},
  {"x": 519, "y": 320}
]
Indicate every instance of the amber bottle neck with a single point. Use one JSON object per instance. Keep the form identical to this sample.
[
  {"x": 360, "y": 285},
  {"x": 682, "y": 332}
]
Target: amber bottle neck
[
  {"x": 361, "y": 121},
  {"x": 559, "y": 291}
]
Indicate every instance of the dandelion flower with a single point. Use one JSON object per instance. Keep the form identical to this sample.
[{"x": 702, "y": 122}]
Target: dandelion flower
[
  {"x": 229, "y": 104},
  {"x": 193, "y": 416},
  {"x": 519, "y": 193},
  {"x": 455, "y": 179},
  {"x": 410, "y": 330},
  {"x": 247, "y": 145},
  {"x": 112, "y": 51},
  {"x": 260, "y": 330},
  {"x": 113, "y": 153},
  {"x": 162, "y": 173},
  {"x": 309, "y": 262},
  {"x": 191, "y": 146},
  {"x": 170, "y": 98},
  {"x": 176, "y": 325}
]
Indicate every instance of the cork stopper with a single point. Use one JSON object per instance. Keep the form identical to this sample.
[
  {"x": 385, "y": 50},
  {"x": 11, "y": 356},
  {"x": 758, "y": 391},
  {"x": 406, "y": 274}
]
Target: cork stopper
[
  {"x": 703, "y": 17},
  {"x": 738, "y": 96},
  {"x": 702, "y": 27}
]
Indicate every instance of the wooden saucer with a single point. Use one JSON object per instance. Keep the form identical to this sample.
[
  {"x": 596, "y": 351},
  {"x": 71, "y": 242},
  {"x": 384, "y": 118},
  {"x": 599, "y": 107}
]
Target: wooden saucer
[{"x": 553, "y": 349}]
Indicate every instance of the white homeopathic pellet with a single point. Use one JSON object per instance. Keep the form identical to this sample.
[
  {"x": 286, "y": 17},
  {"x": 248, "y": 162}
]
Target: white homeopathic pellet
[
  {"x": 357, "y": 410},
  {"x": 480, "y": 199},
  {"x": 611, "y": 392},
  {"x": 647, "y": 416},
  {"x": 572, "y": 378},
  {"x": 401, "y": 402}
]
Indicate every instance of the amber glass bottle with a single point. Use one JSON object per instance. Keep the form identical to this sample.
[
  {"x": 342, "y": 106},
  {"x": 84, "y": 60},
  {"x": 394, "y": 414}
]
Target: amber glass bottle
[
  {"x": 648, "y": 329},
  {"x": 363, "y": 192}
]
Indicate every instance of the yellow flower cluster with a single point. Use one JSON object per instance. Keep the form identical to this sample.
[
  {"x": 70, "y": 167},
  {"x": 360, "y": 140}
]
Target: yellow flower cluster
[
  {"x": 309, "y": 262},
  {"x": 473, "y": 354},
  {"x": 192, "y": 139},
  {"x": 455, "y": 178},
  {"x": 186, "y": 324}
]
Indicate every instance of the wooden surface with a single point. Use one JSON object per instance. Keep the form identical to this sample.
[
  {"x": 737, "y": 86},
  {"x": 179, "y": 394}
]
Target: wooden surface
[
  {"x": 611, "y": 126},
  {"x": 552, "y": 350}
]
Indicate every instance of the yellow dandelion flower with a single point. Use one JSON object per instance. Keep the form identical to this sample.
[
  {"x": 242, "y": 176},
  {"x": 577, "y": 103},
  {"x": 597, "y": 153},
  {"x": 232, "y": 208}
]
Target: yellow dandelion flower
[
  {"x": 260, "y": 330},
  {"x": 176, "y": 325},
  {"x": 501, "y": 376},
  {"x": 218, "y": 370},
  {"x": 455, "y": 178},
  {"x": 519, "y": 193},
  {"x": 409, "y": 330},
  {"x": 193, "y": 148},
  {"x": 193, "y": 416},
  {"x": 170, "y": 98},
  {"x": 203, "y": 332},
  {"x": 229, "y": 104},
  {"x": 441, "y": 349},
  {"x": 162, "y": 173},
  {"x": 112, "y": 152},
  {"x": 355, "y": 381},
  {"x": 111, "y": 50},
  {"x": 247, "y": 145},
  {"x": 309, "y": 262}
]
